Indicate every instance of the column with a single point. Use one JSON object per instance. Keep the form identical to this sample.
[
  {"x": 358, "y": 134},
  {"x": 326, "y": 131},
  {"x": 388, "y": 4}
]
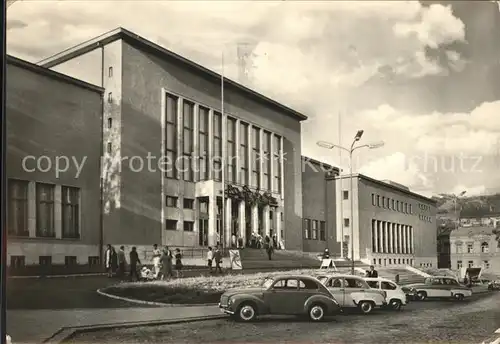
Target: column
[
  {"x": 386, "y": 236},
  {"x": 267, "y": 220},
  {"x": 212, "y": 220},
  {"x": 180, "y": 146},
  {"x": 242, "y": 222},
  {"x": 282, "y": 163},
  {"x": 32, "y": 209},
  {"x": 400, "y": 238},
  {"x": 379, "y": 237},
  {"x": 405, "y": 240},
  {"x": 237, "y": 145},
  {"x": 249, "y": 158},
  {"x": 279, "y": 223},
  {"x": 210, "y": 145},
  {"x": 195, "y": 161},
  {"x": 57, "y": 212},
  {"x": 390, "y": 238},
  {"x": 255, "y": 219},
  {"x": 271, "y": 162},
  {"x": 228, "y": 223},
  {"x": 412, "y": 243},
  {"x": 375, "y": 236},
  {"x": 261, "y": 158}
]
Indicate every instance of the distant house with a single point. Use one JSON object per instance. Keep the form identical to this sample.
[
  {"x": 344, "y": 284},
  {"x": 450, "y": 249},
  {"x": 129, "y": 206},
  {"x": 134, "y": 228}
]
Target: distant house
[{"x": 488, "y": 220}]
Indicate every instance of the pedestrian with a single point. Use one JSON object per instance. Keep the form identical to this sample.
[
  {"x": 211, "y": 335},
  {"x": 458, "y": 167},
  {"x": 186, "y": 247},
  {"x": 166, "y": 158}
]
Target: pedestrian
[
  {"x": 178, "y": 263},
  {"x": 156, "y": 261},
  {"x": 372, "y": 272},
  {"x": 166, "y": 263},
  {"x": 134, "y": 264},
  {"x": 107, "y": 260},
  {"x": 326, "y": 254},
  {"x": 233, "y": 240},
  {"x": 218, "y": 259},
  {"x": 114, "y": 261},
  {"x": 397, "y": 279},
  {"x": 275, "y": 241},
  {"x": 121, "y": 262},
  {"x": 270, "y": 250},
  {"x": 210, "y": 257}
]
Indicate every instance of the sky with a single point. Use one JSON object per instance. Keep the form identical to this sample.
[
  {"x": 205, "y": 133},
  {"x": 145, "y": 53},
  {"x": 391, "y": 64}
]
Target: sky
[{"x": 424, "y": 78}]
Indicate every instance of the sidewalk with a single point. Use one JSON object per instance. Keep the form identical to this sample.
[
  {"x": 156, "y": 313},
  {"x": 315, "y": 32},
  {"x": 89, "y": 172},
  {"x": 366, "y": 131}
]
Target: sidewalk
[{"x": 35, "y": 326}]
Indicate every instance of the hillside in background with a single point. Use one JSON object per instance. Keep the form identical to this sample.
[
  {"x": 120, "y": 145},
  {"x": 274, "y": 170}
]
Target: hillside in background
[{"x": 467, "y": 206}]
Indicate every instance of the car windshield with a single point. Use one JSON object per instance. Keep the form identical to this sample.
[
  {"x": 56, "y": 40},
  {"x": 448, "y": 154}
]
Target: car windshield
[{"x": 267, "y": 283}]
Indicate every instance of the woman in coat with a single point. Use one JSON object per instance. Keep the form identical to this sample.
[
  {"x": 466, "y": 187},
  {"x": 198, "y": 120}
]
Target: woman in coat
[{"x": 166, "y": 263}]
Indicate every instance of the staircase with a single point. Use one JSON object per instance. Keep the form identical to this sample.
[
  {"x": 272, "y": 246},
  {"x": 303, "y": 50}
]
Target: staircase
[{"x": 405, "y": 276}]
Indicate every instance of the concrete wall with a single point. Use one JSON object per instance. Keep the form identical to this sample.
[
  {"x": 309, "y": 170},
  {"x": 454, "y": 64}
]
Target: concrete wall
[{"x": 48, "y": 116}]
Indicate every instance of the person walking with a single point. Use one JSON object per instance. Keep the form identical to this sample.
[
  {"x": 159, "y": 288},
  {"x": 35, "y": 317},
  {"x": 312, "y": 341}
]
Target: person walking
[
  {"x": 156, "y": 260},
  {"x": 114, "y": 261},
  {"x": 372, "y": 272},
  {"x": 107, "y": 260},
  {"x": 218, "y": 259},
  {"x": 210, "y": 257},
  {"x": 178, "y": 263},
  {"x": 121, "y": 262},
  {"x": 269, "y": 250},
  {"x": 166, "y": 263},
  {"x": 134, "y": 262}
]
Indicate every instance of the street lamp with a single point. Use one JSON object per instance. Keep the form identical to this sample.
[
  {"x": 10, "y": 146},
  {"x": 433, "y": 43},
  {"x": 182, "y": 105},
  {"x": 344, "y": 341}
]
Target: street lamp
[
  {"x": 455, "y": 201},
  {"x": 328, "y": 145}
]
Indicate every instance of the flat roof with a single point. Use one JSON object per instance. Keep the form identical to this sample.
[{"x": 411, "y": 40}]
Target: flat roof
[
  {"x": 390, "y": 186},
  {"x": 136, "y": 40},
  {"x": 317, "y": 162},
  {"x": 15, "y": 61}
]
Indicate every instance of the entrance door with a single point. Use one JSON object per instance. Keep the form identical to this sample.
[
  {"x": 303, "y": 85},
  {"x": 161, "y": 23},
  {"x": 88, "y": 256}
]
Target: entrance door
[{"x": 203, "y": 232}]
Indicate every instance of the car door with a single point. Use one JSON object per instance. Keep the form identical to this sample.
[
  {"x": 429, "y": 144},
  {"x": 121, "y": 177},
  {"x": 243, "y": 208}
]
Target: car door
[
  {"x": 351, "y": 285},
  {"x": 307, "y": 288},
  {"x": 390, "y": 289},
  {"x": 282, "y": 297},
  {"x": 336, "y": 287}
]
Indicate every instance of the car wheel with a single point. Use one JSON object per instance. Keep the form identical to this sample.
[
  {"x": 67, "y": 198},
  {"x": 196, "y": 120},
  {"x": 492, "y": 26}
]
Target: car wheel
[
  {"x": 246, "y": 312},
  {"x": 459, "y": 297},
  {"x": 317, "y": 312},
  {"x": 421, "y": 295},
  {"x": 396, "y": 305},
  {"x": 366, "y": 307}
]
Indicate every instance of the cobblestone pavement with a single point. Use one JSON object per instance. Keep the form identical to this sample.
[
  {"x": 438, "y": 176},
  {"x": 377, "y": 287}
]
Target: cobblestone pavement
[{"x": 421, "y": 322}]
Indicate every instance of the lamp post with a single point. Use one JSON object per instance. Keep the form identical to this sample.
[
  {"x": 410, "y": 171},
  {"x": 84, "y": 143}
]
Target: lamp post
[
  {"x": 455, "y": 201},
  {"x": 351, "y": 150}
]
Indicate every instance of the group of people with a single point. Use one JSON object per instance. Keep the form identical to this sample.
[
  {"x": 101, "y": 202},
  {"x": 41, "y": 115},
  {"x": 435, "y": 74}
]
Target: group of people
[
  {"x": 256, "y": 241},
  {"x": 163, "y": 261}
]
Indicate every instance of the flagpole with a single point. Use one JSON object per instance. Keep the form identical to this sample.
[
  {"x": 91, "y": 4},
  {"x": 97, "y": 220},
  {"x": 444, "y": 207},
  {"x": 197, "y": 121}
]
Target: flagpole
[
  {"x": 223, "y": 160},
  {"x": 341, "y": 198}
]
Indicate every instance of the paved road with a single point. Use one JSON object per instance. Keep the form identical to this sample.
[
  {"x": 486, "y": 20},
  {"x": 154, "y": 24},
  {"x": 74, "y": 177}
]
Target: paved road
[{"x": 421, "y": 322}]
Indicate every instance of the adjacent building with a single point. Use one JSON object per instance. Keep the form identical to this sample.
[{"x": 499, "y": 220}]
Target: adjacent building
[{"x": 392, "y": 225}]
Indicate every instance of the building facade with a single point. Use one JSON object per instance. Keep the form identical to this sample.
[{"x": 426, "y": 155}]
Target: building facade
[
  {"x": 487, "y": 220},
  {"x": 163, "y": 108},
  {"x": 475, "y": 247},
  {"x": 53, "y": 167},
  {"x": 392, "y": 225}
]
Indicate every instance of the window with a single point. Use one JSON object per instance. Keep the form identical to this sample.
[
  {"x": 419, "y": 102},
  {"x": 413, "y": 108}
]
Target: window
[
  {"x": 470, "y": 263},
  {"x": 45, "y": 210},
  {"x": 70, "y": 204},
  {"x": 187, "y": 140},
  {"x": 405, "y": 208},
  {"x": 378, "y": 201},
  {"x": 470, "y": 248},
  {"x": 110, "y": 123},
  {"x": 388, "y": 286},
  {"x": 94, "y": 261},
  {"x": 392, "y": 204},
  {"x": 335, "y": 283},
  {"x": 203, "y": 206},
  {"x": 243, "y": 156},
  {"x": 397, "y": 206},
  {"x": 277, "y": 154},
  {"x": 346, "y": 195},
  {"x": 171, "y": 225},
  {"x": 45, "y": 260},
  {"x": 188, "y": 226},
  {"x": 171, "y": 136},
  {"x": 217, "y": 149},
  {"x": 346, "y": 222},
  {"x": 171, "y": 202},
  {"x": 18, "y": 207},
  {"x": 266, "y": 160},
  {"x": 383, "y": 201},
  {"x": 292, "y": 284},
  {"x": 308, "y": 284},
  {"x": 459, "y": 264},
  {"x": 188, "y": 203},
  {"x": 255, "y": 181},
  {"x": 110, "y": 148},
  {"x": 373, "y": 200},
  {"x": 486, "y": 264},
  {"x": 373, "y": 284},
  {"x": 17, "y": 262},
  {"x": 355, "y": 283},
  {"x": 322, "y": 230},
  {"x": 315, "y": 229},
  {"x": 459, "y": 248},
  {"x": 485, "y": 248},
  {"x": 110, "y": 97},
  {"x": 110, "y": 72},
  {"x": 232, "y": 154},
  {"x": 410, "y": 209},
  {"x": 203, "y": 116},
  {"x": 70, "y": 261},
  {"x": 307, "y": 228}
]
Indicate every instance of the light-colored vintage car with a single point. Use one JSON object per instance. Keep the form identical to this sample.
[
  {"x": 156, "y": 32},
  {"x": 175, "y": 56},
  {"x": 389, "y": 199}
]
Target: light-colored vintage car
[
  {"x": 494, "y": 339},
  {"x": 396, "y": 297},
  {"x": 441, "y": 287},
  {"x": 354, "y": 292},
  {"x": 282, "y": 295}
]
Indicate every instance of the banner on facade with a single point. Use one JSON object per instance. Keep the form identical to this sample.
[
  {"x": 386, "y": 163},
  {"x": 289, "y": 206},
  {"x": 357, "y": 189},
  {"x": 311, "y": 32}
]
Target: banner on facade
[{"x": 234, "y": 257}]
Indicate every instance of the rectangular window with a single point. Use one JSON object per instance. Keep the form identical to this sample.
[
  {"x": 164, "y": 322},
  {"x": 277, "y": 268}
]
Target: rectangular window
[
  {"x": 171, "y": 202},
  {"x": 315, "y": 229},
  {"x": 322, "y": 230},
  {"x": 255, "y": 182},
  {"x": 307, "y": 229},
  {"x": 277, "y": 163},
  {"x": 70, "y": 261},
  {"x": 410, "y": 210},
  {"x": 392, "y": 204},
  {"x": 470, "y": 248},
  {"x": 171, "y": 108},
  {"x": 243, "y": 155},
  {"x": 232, "y": 155},
  {"x": 93, "y": 261},
  {"x": 486, "y": 264},
  {"x": 378, "y": 201},
  {"x": 347, "y": 222},
  {"x": 70, "y": 204},
  {"x": 171, "y": 225},
  {"x": 459, "y": 264},
  {"x": 470, "y": 264},
  {"x": 187, "y": 140},
  {"x": 383, "y": 201},
  {"x": 18, "y": 207},
  {"x": 188, "y": 226},
  {"x": 374, "y": 202},
  {"x": 45, "y": 227},
  {"x": 45, "y": 260},
  {"x": 397, "y": 206},
  {"x": 188, "y": 203},
  {"x": 345, "y": 195},
  {"x": 17, "y": 262},
  {"x": 203, "y": 116},
  {"x": 217, "y": 149},
  {"x": 266, "y": 160},
  {"x": 203, "y": 205}
]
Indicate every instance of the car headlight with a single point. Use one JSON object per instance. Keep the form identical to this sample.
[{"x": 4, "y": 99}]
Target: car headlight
[{"x": 229, "y": 302}]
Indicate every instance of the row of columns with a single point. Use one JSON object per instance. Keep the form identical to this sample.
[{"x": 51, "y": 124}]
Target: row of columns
[{"x": 388, "y": 237}]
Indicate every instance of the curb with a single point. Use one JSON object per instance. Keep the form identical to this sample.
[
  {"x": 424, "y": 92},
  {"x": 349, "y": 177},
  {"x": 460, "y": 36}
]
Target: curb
[
  {"x": 66, "y": 333},
  {"x": 151, "y": 303}
]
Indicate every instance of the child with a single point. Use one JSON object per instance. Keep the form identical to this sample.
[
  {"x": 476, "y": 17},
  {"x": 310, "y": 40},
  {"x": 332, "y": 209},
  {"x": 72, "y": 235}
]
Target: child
[
  {"x": 210, "y": 257},
  {"x": 178, "y": 262}
]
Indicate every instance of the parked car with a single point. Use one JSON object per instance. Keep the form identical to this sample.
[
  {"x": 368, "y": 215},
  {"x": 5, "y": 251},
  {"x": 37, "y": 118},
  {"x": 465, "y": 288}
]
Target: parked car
[
  {"x": 441, "y": 287},
  {"x": 395, "y": 296},
  {"x": 353, "y": 292},
  {"x": 494, "y": 339},
  {"x": 283, "y": 295},
  {"x": 494, "y": 285}
]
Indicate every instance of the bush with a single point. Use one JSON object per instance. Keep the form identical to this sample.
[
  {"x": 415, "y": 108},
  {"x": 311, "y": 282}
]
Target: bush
[{"x": 194, "y": 290}]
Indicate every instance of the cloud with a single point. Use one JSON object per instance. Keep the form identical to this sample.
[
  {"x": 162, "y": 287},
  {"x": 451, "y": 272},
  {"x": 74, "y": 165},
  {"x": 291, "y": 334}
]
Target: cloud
[{"x": 470, "y": 191}]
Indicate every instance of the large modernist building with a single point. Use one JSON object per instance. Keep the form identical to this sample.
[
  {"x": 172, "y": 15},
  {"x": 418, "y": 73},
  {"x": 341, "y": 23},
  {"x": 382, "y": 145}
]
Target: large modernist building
[{"x": 392, "y": 225}]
